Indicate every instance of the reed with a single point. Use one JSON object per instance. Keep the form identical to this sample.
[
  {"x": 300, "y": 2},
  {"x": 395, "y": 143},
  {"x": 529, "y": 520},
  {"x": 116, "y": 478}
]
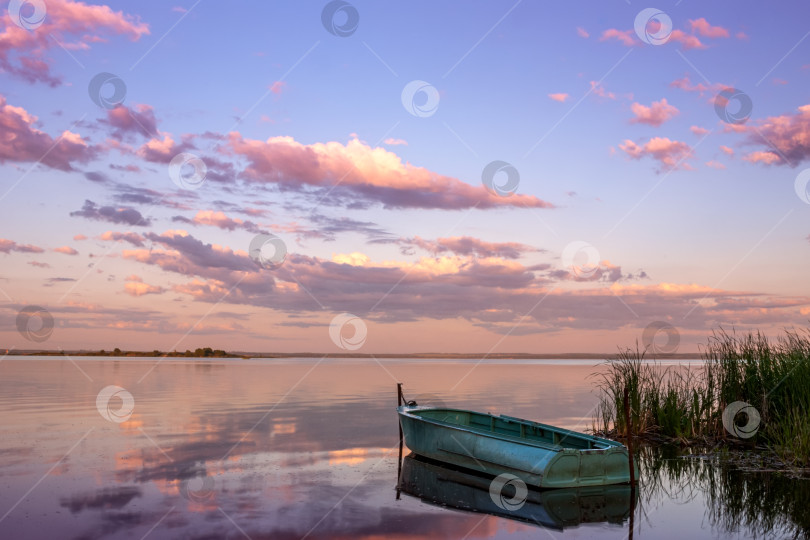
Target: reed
[{"x": 687, "y": 403}]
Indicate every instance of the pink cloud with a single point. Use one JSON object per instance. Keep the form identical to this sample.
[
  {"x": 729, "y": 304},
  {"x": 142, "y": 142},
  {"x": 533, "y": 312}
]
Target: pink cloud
[
  {"x": 688, "y": 41},
  {"x": 786, "y": 136},
  {"x": 654, "y": 115},
  {"x": 715, "y": 164},
  {"x": 768, "y": 158},
  {"x": 66, "y": 250},
  {"x": 113, "y": 214},
  {"x": 479, "y": 290},
  {"x": 727, "y": 150},
  {"x": 79, "y": 237},
  {"x": 21, "y": 141},
  {"x": 395, "y": 142},
  {"x": 74, "y": 25},
  {"x": 603, "y": 271},
  {"x": 138, "y": 120},
  {"x": 163, "y": 150},
  {"x": 76, "y": 17},
  {"x": 217, "y": 219},
  {"x": 697, "y": 130},
  {"x": 741, "y": 35},
  {"x": 702, "y": 27},
  {"x": 39, "y": 264},
  {"x": 598, "y": 89},
  {"x": 671, "y": 154},
  {"x": 136, "y": 287},
  {"x": 561, "y": 97},
  {"x": 133, "y": 238},
  {"x": 277, "y": 87},
  {"x": 352, "y": 173},
  {"x": 732, "y": 128},
  {"x": 180, "y": 253},
  {"x": 626, "y": 37},
  {"x": 581, "y": 32},
  {"x": 7, "y": 246},
  {"x": 255, "y": 212},
  {"x": 365, "y": 174},
  {"x": 469, "y": 246},
  {"x": 686, "y": 85},
  {"x": 126, "y": 168},
  {"x": 159, "y": 150}
]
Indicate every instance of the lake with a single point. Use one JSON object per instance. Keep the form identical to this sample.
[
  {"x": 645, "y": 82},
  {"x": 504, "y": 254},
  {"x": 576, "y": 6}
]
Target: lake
[{"x": 309, "y": 448}]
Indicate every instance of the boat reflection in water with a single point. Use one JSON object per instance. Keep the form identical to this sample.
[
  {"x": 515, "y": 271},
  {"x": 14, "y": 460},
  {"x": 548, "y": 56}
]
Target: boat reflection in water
[{"x": 462, "y": 489}]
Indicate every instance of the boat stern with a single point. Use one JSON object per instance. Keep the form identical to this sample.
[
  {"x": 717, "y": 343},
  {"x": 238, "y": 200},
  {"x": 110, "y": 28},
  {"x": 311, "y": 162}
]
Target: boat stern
[{"x": 577, "y": 468}]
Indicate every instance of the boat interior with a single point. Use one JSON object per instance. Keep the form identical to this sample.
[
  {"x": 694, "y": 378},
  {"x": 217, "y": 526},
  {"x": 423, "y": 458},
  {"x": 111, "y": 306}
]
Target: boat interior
[{"x": 505, "y": 426}]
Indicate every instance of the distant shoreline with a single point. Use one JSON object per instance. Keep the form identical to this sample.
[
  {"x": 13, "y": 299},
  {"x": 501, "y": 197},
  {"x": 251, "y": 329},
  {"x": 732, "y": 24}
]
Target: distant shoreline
[{"x": 427, "y": 356}]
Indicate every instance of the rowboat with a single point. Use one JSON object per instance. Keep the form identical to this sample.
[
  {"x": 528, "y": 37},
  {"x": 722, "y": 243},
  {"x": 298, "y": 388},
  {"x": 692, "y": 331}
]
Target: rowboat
[
  {"x": 461, "y": 489},
  {"x": 540, "y": 455}
]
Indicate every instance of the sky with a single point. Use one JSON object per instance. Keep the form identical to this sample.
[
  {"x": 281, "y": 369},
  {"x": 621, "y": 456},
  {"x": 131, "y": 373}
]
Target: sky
[{"x": 484, "y": 177}]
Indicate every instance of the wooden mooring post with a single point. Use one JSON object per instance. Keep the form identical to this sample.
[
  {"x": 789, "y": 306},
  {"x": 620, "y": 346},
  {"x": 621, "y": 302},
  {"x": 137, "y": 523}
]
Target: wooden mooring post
[{"x": 400, "y": 399}]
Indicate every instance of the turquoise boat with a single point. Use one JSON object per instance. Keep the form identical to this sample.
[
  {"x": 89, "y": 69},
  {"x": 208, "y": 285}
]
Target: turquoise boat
[{"x": 540, "y": 455}]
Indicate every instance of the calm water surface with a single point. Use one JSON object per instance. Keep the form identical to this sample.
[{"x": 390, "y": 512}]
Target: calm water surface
[{"x": 308, "y": 448}]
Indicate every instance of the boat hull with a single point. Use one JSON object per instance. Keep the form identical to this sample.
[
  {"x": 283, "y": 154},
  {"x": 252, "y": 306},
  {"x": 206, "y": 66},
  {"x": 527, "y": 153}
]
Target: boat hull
[{"x": 538, "y": 465}]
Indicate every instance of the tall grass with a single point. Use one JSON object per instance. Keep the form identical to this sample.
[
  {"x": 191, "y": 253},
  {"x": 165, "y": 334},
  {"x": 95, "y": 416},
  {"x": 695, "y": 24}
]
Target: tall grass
[{"x": 687, "y": 403}]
